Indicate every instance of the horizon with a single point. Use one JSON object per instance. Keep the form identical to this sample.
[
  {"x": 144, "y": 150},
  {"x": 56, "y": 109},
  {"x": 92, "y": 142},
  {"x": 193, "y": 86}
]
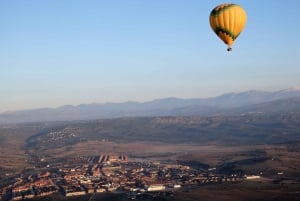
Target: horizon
[
  {"x": 293, "y": 88},
  {"x": 57, "y": 53}
]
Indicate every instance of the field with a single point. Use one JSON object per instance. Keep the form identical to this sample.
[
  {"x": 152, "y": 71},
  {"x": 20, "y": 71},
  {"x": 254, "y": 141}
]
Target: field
[
  {"x": 13, "y": 145},
  {"x": 276, "y": 158},
  {"x": 243, "y": 191}
]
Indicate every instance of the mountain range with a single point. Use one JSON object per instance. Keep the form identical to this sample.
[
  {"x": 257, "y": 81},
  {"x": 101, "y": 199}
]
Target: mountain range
[{"x": 282, "y": 101}]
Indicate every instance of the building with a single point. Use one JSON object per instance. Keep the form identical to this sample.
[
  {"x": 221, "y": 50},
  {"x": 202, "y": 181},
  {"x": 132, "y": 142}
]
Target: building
[{"x": 156, "y": 187}]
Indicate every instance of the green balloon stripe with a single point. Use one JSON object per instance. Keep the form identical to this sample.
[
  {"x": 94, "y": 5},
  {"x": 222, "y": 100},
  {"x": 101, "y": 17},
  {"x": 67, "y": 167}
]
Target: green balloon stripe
[
  {"x": 216, "y": 12},
  {"x": 222, "y": 30}
]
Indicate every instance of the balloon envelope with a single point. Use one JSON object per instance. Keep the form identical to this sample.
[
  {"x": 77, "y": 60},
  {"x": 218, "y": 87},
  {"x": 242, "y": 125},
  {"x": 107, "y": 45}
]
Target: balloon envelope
[{"x": 228, "y": 21}]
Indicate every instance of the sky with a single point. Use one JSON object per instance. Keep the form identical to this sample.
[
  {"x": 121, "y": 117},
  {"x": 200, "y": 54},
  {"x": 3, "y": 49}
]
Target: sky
[{"x": 70, "y": 52}]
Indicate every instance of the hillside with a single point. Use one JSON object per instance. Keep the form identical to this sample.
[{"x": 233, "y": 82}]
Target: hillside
[{"x": 242, "y": 129}]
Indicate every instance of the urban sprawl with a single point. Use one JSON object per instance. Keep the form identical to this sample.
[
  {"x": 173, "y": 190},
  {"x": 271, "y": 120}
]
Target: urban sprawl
[{"x": 109, "y": 173}]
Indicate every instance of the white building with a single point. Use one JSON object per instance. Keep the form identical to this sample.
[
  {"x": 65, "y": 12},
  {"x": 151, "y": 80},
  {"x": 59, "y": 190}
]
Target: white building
[
  {"x": 157, "y": 187},
  {"x": 253, "y": 177}
]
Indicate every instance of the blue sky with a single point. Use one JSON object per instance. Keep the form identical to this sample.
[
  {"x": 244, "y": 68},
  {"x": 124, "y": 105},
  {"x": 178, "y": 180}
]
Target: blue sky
[{"x": 57, "y": 52}]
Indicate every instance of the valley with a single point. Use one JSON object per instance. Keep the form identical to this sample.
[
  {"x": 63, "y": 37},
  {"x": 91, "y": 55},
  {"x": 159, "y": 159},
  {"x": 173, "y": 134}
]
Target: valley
[
  {"x": 212, "y": 148},
  {"x": 217, "y": 153}
]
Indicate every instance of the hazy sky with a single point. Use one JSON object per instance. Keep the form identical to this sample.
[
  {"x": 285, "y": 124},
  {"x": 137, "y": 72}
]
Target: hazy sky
[{"x": 57, "y": 52}]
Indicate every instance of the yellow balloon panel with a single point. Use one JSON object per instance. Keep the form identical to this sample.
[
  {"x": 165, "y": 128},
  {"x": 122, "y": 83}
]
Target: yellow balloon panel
[{"x": 228, "y": 21}]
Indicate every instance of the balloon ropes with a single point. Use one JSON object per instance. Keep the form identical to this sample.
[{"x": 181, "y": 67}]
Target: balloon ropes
[{"x": 228, "y": 21}]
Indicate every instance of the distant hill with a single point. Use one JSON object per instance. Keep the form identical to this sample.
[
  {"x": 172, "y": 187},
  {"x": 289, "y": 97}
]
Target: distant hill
[
  {"x": 287, "y": 105},
  {"x": 249, "y": 101},
  {"x": 254, "y": 128}
]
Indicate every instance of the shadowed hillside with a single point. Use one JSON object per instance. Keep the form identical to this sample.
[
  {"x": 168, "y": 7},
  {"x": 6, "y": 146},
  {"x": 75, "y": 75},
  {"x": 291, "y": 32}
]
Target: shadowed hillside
[{"x": 241, "y": 129}]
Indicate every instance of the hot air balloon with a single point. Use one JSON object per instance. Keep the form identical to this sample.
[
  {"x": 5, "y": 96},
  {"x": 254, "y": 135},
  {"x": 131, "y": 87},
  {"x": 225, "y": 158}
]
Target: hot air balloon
[{"x": 228, "y": 21}]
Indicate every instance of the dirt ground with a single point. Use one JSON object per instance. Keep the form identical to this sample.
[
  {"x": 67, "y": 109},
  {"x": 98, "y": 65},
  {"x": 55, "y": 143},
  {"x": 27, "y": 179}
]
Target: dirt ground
[{"x": 243, "y": 191}]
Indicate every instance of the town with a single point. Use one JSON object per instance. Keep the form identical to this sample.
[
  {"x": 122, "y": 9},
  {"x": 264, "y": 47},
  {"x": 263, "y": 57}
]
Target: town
[{"x": 110, "y": 173}]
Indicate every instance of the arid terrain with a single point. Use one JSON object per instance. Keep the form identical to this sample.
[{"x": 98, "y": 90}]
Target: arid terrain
[{"x": 201, "y": 143}]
